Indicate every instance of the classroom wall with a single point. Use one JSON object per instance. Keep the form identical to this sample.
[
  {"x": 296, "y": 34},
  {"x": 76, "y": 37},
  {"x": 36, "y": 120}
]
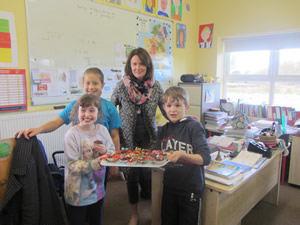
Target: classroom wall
[
  {"x": 230, "y": 18},
  {"x": 242, "y": 18},
  {"x": 184, "y": 60},
  {"x": 18, "y": 8}
]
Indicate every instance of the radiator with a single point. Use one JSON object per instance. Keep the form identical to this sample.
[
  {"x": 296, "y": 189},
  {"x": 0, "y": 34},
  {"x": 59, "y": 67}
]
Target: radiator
[{"x": 53, "y": 141}]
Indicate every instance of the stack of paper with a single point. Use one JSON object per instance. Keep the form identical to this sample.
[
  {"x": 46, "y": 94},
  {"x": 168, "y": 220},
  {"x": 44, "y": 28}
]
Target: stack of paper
[
  {"x": 221, "y": 141},
  {"x": 225, "y": 181},
  {"x": 214, "y": 120},
  {"x": 248, "y": 158},
  {"x": 222, "y": 173}
]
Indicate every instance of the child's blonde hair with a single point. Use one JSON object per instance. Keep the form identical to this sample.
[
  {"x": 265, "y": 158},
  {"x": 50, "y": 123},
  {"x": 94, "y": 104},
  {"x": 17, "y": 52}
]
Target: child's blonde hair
[
  {"x": 176, "y": 94},
  {"x": 96, "y": 71},
  {"x": 85, "y": 101}
]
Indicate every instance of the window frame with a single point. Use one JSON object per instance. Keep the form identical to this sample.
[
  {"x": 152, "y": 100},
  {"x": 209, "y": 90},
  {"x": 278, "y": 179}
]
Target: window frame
[{"x": 272, "y": 77}]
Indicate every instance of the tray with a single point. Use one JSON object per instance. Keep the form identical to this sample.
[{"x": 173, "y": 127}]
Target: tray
[{"x": 104, "y": 162}]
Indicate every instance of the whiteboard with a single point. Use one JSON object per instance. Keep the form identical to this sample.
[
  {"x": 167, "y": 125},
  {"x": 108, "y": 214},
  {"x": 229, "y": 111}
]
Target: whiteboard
[{"x": 65, "y": 37}]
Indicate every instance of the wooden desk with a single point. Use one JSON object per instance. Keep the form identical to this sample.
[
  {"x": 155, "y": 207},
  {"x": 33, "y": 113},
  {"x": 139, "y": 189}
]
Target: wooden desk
[{"x": 227, "y": 205}]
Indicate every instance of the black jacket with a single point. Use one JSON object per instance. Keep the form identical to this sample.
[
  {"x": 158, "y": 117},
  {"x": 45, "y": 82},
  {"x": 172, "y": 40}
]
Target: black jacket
[
  {"x": 30, "y": 196},
  {"x": 186, "y": 135}
]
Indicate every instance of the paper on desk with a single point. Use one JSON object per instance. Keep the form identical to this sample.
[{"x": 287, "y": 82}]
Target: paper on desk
[
  {"x": 247, "y": 158},
  {"x": 221, "y": 141},
  {"x": 221, "y": 180}
]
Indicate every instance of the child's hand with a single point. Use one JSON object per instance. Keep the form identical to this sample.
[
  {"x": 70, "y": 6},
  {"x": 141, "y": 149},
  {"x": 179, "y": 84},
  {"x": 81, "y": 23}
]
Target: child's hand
[
  {"x": 28, "y": 133},
  {"x": 175, "y": 156},
  {"x": 99, "y": 148},
  {"x": 99, "y": 162}
]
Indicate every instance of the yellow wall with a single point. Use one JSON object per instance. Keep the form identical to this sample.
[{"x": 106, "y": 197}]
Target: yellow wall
[
  {"x": 243, "y": 18},
  {"x": 17, "y": 7},
  {"x": 230, "y": 18},
  {"x": 184, "y": 59}
]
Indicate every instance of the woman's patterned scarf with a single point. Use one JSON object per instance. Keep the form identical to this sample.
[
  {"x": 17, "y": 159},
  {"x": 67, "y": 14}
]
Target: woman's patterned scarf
[{"x": 138, "y": 93}]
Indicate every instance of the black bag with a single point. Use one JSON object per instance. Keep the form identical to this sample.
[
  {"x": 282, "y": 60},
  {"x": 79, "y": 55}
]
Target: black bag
[{"x": 187, "y": 78}]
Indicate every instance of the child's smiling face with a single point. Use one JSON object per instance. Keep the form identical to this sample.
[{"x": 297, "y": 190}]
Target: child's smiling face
[
  {"x": 175, "y": 109},
  {"x": 87, "y": 116},
  {"x": 92, "y": 84}
]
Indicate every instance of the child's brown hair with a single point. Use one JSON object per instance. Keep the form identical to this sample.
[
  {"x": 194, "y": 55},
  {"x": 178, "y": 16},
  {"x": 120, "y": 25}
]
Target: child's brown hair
[
  {"x": 96, "y": 71},
  {"x": 176, "y": 93},
  {"x": 85, "y": 101}
]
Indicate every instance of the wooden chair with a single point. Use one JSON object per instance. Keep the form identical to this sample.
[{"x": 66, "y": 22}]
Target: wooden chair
[{"x": 7, "y": 147}]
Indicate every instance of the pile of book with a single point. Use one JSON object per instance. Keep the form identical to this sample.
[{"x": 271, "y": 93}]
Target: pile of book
[
  {"x": 232, "y": 171},
  {"x": 215, "y": 120},
  {"x": 224, "y": 173}
]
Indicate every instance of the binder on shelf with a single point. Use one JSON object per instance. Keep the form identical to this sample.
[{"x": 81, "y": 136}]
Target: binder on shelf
[{"x": 278, "y": 113}]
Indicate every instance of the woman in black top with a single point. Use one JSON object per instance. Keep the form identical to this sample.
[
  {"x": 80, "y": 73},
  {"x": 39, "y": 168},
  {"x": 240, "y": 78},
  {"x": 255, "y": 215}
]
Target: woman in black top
[{"x": 138, "y": 96}]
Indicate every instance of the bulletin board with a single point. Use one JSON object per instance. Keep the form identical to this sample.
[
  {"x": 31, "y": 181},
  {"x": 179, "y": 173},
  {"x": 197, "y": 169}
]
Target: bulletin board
[{"x": 65, "y": 37}]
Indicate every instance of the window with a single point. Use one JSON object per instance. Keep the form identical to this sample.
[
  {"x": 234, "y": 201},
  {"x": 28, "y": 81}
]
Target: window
[{"x": 263, "y": 70}]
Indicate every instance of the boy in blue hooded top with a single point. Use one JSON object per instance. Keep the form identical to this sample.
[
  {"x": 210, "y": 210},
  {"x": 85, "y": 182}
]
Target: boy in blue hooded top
[{"x": 184, "y": 138}]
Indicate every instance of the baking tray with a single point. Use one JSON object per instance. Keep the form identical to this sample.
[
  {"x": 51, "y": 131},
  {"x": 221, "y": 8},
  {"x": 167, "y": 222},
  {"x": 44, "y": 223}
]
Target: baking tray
[{"x": 104, "y": 162}]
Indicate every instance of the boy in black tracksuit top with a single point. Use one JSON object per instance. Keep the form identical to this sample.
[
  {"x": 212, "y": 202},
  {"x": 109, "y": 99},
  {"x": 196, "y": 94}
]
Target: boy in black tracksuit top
[{"x": 184, "y": 180}]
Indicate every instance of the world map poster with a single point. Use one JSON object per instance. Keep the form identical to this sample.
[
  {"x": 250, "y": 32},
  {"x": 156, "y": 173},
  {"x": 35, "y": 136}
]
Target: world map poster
[{"x": 156, "y": 37}]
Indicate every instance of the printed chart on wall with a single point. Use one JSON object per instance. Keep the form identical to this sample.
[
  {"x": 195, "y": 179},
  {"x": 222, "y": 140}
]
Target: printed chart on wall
[
  {"x": 8, "y": 40},
  {"x": 13, "y": 96},
  {"x": 84, "y": 34},
  {"x": 156, "y": 37}
]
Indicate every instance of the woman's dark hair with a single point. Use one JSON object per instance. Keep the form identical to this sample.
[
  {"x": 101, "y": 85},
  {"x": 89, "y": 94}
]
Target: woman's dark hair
[
  {"x": 85, "y": 101},
  {"x": 146, "y": 60}
]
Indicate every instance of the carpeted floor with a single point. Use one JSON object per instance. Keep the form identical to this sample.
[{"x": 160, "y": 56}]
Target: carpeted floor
[{"x": 117, "y": 209}]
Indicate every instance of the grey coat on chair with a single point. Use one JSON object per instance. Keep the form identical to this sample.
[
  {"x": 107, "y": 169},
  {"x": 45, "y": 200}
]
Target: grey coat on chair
[{"x": 30, "y": 196}]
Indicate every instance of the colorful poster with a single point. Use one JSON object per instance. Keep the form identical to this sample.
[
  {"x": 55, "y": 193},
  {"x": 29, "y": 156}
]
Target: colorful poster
[
  {"x": 118, "y": 2},
  {"x": 8, "y": 40},
  {"x": 164, "y": 7},
  {"x": 205, "y": 35},
  {"x": 155, "y": 36},
  {"x": 181, "y": 35},
  {"x": 149, "y": 6},
  {"x": 111, "y": 78},
  {"x": 121, "y": 53},
  {"x": 55, "y": 82},
  {"x": 176, "y": 10},
  {"x": 134, "y": 4},
  {"x": 209, "y": 96}
]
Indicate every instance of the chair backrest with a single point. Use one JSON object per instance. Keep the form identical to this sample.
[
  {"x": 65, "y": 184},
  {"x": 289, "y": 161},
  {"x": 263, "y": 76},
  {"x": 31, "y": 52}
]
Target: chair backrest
[
  {"x": 43, "y": 150},
  {"x": 7, "y": 147},
  {"x": 286, "y": 138}
]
